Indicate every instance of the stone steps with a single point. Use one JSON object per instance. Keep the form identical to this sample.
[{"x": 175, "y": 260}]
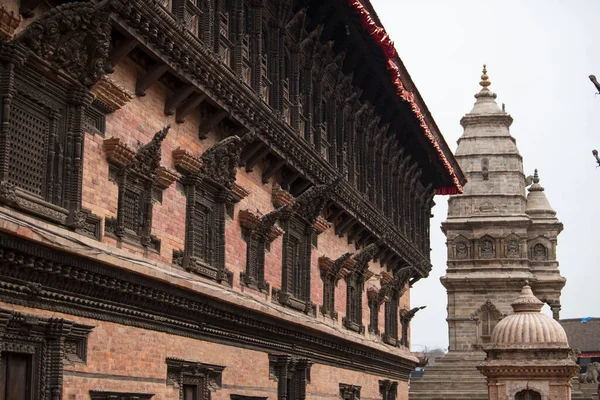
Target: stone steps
[{"x": 454, "y": 376}]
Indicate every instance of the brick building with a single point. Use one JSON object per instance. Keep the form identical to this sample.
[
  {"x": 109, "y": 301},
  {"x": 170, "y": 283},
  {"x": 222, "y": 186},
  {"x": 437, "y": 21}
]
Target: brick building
[{"x": 223, "y": 198}]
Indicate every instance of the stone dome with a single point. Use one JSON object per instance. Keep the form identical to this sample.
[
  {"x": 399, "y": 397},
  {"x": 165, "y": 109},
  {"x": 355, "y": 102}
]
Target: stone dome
[
  {"x": 528, "y": 327},
  {"x": 538, "y": 205}
]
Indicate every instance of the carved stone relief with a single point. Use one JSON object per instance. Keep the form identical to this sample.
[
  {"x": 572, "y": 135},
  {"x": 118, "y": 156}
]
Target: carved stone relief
[{"x": 486, "y": 248}]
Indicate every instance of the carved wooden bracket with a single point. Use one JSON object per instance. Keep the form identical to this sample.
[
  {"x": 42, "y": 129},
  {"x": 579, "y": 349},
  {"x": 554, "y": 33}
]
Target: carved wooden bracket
[
  {"x": 386, "y": 278},
  {"x": 185, "y": 161},
  {"x": 111, "y": 95},
  {"x": 372, "y": 293},
  {"x": 165, "y": 177},
  {"x": 321, "y": 224},
  {"x": 250, "y": 220},
  {"x": 325, "y": 263},
  {"x": 282, "y": 197},
  {"x": 340, "y": 267},
  {"x": 117, "y": 151},
  {"x": 238, "y": 192},
  {"x": 9, "y": 22}
]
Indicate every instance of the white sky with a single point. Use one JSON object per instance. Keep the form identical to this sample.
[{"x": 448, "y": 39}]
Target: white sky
[{"x": 539, "y": 55}]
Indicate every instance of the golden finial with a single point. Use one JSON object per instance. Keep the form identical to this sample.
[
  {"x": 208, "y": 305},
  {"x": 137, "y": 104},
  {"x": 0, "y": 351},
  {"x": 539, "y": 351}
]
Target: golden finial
[{"x": 484, "y": 78}]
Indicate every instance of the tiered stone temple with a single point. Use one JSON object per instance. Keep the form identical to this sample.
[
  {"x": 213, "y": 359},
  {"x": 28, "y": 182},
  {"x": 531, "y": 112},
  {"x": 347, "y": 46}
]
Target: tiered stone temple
[{"x": 497, "y": 238}]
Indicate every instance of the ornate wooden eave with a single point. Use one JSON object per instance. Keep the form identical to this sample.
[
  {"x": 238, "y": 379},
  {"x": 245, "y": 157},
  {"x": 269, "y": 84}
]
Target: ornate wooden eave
[{"x": 205, "y": 72}]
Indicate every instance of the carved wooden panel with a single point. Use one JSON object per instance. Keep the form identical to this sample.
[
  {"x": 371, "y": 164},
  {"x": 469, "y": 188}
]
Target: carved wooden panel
[{"x": 39, "y": 345}]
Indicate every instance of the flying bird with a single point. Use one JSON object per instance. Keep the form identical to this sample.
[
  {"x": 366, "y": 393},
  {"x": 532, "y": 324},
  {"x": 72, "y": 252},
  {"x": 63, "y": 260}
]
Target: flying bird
[
  {"x": 595, "y": 82},
  {"x": 595, "y": 153}
]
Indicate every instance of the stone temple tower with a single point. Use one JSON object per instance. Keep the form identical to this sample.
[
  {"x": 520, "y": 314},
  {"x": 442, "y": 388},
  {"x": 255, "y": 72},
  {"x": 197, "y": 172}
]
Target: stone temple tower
[{"x": 498, "y": 239}]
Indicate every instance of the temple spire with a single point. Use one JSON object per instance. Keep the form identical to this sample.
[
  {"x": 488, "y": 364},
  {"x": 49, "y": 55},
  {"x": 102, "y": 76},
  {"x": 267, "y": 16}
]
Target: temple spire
[{"x": 484, "y": 79}]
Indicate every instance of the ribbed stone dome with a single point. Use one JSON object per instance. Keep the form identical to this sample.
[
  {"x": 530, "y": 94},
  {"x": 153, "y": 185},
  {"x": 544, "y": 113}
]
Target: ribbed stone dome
[{"x": 528, "y": 326}]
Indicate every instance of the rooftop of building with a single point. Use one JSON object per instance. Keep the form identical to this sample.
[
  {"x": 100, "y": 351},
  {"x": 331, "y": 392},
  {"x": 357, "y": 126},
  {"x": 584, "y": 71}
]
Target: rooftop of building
[{"x": 584, "y": 336}]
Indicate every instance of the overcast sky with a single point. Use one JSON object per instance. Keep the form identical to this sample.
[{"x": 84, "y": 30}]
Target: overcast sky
[{"x": 539, "y": 55}]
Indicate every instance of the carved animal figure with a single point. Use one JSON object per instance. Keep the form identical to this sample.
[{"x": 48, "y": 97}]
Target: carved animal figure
[{"x": 591, "y": 376}]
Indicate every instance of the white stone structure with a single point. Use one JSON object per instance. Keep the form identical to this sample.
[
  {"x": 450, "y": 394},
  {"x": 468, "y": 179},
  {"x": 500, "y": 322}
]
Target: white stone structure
[
  {"x": 497, "y": 238},
  {"x": 529, "y": 357}
]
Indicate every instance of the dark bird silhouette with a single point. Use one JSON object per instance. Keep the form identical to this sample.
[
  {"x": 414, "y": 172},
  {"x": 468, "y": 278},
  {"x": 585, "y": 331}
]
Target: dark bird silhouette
[
  {"x": 595, "y": 82},
  {"x": 595, "y": 153}
]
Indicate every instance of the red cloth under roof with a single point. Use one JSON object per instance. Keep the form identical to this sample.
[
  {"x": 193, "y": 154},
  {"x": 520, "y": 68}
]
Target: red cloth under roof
[{"x": 387, "y": 46}]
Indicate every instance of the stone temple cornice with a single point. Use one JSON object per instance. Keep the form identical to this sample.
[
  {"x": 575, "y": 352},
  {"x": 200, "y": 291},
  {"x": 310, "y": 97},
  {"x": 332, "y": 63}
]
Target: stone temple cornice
[{"x": 500, "y": 119}]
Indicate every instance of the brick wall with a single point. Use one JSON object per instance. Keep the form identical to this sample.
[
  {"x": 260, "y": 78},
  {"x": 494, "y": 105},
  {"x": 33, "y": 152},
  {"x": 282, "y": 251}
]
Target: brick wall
[
  {"x": 123, "y": 358},
  {"x": 136, "y": 124}
]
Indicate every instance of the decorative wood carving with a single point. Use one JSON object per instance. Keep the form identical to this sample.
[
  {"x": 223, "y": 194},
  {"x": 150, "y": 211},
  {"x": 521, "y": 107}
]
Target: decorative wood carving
[
  {"x": 388, "y": 389},
  {"x": 78, "y": 286},
  {"x": 291, "y": 374},
  {"x": 393, "y": 291},
  {"x": 354, "y": 287},
  {"x": 209, "y": 186},
  {"x": 8, "y": 23},
  {"x": 74, "y": 38},
  {"x": 331, "y": 272},
  {"x": 49, "y": 342},
  {"x": 260, "y": 231},
  {"x": 185, "y": 161},
  {"x": 349, "y": 392},
  {"x": 43, "y": 130},
  {"x": 406, "y": 316},
  {"x": 281, "y": 197},
  {"x": 203, "y": 378},
  {"x": 186, "y": 54},
  {"x": 110, "y": 95},
  {"x": 297, "y": 222},
  {"x": 137, "y": 176}
]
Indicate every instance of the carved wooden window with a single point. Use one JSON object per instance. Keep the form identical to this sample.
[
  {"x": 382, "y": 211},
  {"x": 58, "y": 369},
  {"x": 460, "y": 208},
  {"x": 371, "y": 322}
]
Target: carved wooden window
[
  {"x": 528, "y": 395},
  {"x": 195, "y": 16},
  {"x": 388, "y": 389},
  {"x": 205, "y": 230},
  {"x": 391, "y": 320},
  {"x": 354, "y": 289},
  {"x": 265, "y": 69},
  {"x": 331, "y": 272},
  {"x": 247, "y": 20},
  {"x": 349, "y": 392},
  {"x": 258, "y": 233},
  {"x": 329, "y": 283},
  {"x": 33, "y": 353},
  {"x": 195, "y": 380},
  {"x": 40, "y": 151},
  {"x": 297, "y": 221},
  {"x": 226, "y": 28},
  {"x": 136, "y": 175},
  {"x": 374, "y": 304},
  {"x": 208, "y": 183},
  {"x": 292, "y": 374},
  {"x": 299, "y": 268}
]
